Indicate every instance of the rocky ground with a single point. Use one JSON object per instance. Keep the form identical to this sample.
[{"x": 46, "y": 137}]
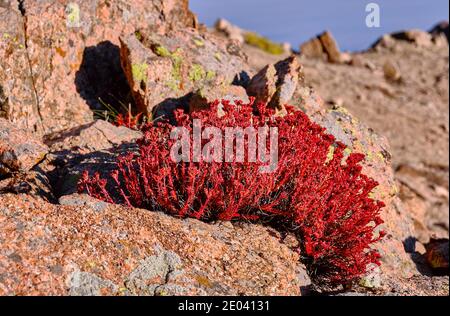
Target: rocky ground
[{"x": 60, "y": 63}]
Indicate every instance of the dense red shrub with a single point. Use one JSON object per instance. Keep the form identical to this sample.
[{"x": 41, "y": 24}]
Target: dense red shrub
[{"x": 323, "y": 200}]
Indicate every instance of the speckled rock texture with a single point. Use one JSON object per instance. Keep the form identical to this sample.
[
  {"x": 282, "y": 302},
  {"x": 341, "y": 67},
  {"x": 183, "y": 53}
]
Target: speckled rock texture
[
  {"x": 87, "y": 247},
  {"x": 164, "y": 69},
  {"x": 92, "y": 147},
  {"x": 61, "y": 60},
  {"x": 19, "y": 150},
  {"x": 275, "y": 84},
  {"x": 60, "y": 57},
  {"x": 323, "y": 46}
]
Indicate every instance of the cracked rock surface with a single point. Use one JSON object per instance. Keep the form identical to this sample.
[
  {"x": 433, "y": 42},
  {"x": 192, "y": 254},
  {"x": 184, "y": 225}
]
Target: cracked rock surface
[{"x": 80, "y": 249}]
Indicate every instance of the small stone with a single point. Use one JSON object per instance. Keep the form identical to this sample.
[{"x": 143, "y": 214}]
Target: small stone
[
  {"x": 233, "y": 32},
  {"x": 391, "y": 71},
  {"x": 441, "y": 28},
  {"x": 440, "y": 40},
  {"x": 386, "y": 41},
  {"x": 420, "y": 38},
  {"x": 201, "y": 99},
  {"x": 263, "y": 85},
  {"x": 287, "y": 47},
  {"x": 437, "y": 254},
  {"x": 345, "y": 58},
  {"x": 330, "y": 47},
  {"x": 19, "y": 149},
  {"x": 313, "y": 49},
  {"x": 372, "y": 280},
  {"x": 95, "y": 136},
  {"x": 441, "y": 192},
  {"x": 337, "y": 101},
  {"x": 276, "y": 84},
  {"x": 360, "y": 61},
  {"x": 324, "y": 46},
  {"x": 420, "y": 248},
  {"x": 288, "y": 73}
]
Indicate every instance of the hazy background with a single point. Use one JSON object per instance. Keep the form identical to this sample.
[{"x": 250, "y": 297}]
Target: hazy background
[{"x": 295, "y": 21}]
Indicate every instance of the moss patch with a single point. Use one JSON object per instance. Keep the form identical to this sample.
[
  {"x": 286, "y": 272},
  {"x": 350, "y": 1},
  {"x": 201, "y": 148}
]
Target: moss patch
[{"x": 263, "y": 43}]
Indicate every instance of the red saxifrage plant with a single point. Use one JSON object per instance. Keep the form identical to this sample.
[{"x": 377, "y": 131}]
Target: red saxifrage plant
[
  {"x": 324, "y": 201},
  {"x": 128, "y": 120}
]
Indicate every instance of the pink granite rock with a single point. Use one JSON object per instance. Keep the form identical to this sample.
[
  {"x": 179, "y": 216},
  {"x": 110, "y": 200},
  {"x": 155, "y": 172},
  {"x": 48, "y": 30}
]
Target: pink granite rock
[{"x": 61, "y": 57}]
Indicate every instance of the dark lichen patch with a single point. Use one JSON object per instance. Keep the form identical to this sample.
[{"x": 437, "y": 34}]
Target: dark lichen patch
[
  {"x": 139, "y": 36},
  {"x": 3, "y": 102}
]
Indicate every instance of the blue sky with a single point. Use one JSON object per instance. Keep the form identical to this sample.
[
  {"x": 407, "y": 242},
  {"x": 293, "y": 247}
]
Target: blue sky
[{"x": 295, "y": 21}]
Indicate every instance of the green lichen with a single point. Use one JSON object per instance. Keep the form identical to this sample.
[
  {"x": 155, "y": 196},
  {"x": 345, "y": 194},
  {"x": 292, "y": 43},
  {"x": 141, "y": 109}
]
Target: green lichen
[
  {"x": 139, "y": 72},
  {"x": 375, "y": 193},
  {"x": 162, "y": 51},
  {"x": 263, "y": 43},
  {"x": 197, "y": 73},
  {"x": 172, "y": 85},
  {"x": 177, "y": 62},
  {"x": 176, "y": 75},
  {"x": 198, "y": 42},
  {"x": 73, "y": 16},
  {"x": 210, "y": 75},
  {"x": 330, "y": 154},
  {"x": 217, "y": 56},
  {"x": 369, "y": 156},
  {"x": 380, "y": 156},
  {"x": 201, "y": 92},
  {"x": 139, "y": 36},
  {"x": 394, "y": 190}
]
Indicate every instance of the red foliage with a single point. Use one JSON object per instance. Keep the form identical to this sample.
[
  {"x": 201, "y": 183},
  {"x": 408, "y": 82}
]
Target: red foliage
[
  {"x": 324, "y": 201},
  {"x": 128, "y": 120}
]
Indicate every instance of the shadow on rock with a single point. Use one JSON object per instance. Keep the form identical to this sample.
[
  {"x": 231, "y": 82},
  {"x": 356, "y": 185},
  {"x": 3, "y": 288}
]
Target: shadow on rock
[
  {"x": 101, "y": 77},
  {"x": 434, "y": 255},
  {"x": 70, "y": 166}
]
